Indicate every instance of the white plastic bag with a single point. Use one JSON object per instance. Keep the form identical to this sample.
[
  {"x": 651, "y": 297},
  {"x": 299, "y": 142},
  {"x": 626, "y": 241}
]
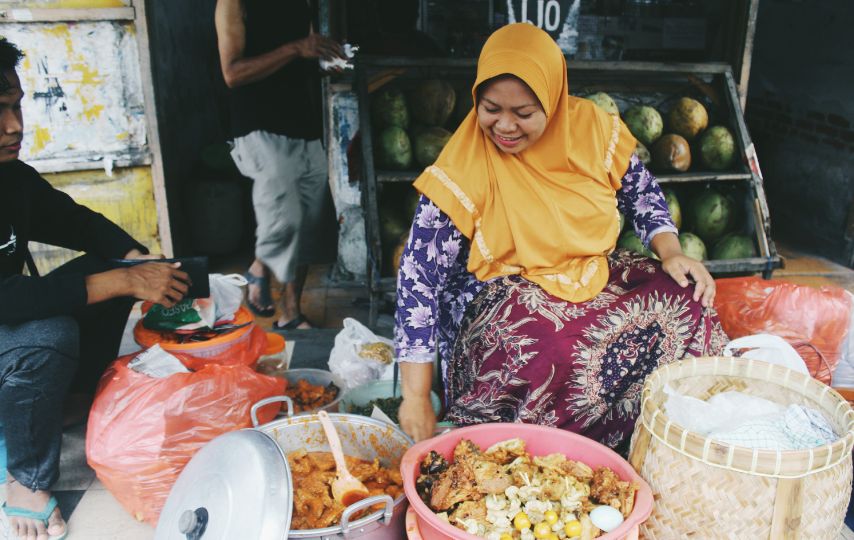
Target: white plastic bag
[
  {"x": 227, "y": 294},
  {"x": 355, "y": 363},
  {"x": 768, "y": 348},
  {"x": 843, "y": 375}
]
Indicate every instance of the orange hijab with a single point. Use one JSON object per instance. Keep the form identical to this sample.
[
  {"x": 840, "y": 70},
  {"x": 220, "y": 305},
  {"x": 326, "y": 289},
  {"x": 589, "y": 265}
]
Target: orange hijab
[{"x": 548, "y": 213}]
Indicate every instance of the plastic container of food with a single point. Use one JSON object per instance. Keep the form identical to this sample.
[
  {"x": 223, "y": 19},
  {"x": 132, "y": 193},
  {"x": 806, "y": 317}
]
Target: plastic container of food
[
  {"x": 316, "y": 377},
  {"x": 373, "y": 390},
  {"x": 539, "y": 441}
]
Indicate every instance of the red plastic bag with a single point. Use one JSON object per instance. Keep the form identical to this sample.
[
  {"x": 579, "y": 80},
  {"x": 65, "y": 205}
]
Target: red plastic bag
[
  {"x": 142, "y": 430},
  {"x": 812, "y": 320}
]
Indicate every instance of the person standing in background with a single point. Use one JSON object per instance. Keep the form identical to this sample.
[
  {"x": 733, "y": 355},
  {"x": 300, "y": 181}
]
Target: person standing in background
[{"x": 269, "y": 58}]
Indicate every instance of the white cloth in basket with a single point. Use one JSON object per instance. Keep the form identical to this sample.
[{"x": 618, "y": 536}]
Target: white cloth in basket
[{"x": 744, "y": 420}]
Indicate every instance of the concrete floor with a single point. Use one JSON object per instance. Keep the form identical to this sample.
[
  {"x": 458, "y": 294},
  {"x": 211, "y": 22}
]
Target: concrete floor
[{"x": 96, "y": 515}]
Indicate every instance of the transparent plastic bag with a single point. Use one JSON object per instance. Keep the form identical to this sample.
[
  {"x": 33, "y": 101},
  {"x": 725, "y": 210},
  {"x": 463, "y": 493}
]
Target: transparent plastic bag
[
  {"x": 359, "y": 355},
  {"x": 142, "y": 431},
  {"x": 227, "y": 294}
]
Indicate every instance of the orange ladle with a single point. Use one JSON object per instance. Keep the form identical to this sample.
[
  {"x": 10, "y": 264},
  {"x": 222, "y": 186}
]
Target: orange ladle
[{"x": 346, "y": 488}]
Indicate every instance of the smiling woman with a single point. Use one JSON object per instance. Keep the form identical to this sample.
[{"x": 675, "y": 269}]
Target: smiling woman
[{"x": 509, "y": 113}]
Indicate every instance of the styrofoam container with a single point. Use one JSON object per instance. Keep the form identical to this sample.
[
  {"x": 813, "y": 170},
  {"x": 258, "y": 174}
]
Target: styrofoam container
[{"x": 539, "y": 441}]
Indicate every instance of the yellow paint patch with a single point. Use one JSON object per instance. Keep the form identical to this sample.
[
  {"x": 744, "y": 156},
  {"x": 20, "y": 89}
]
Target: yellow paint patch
[
  {"x": 123, "y": 136},
  {"x": 75, "y": 4},
  {"x": 87, "y": 74},
  {"x": 41, "y": 136},
  {"x": 92, "y": 113},
  {"x": 126, "y": 198}
]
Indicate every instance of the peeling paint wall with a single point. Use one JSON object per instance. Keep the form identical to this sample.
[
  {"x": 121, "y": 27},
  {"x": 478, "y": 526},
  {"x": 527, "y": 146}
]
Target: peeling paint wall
[
  {"x": 125, "y": 198},
  {"x": 69, "y": 4},
  {"x": 83, "y": 96}
]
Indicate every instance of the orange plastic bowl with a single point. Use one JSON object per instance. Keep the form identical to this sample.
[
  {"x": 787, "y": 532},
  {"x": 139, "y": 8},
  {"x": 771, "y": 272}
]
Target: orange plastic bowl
[
  {"x": 539, "y": 441},
  {"x": 147, "y": 338}
]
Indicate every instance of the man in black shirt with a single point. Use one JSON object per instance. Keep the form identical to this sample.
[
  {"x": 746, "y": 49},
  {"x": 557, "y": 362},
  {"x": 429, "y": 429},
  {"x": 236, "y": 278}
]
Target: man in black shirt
[
  {"x": 269, "y": 58},
  {"x": 51, "y": 323}
]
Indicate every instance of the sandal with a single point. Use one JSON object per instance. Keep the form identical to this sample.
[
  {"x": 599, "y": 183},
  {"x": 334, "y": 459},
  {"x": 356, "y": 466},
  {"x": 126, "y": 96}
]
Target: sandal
[
  {"x": 292, "y": 324},
  {"x": 263, "y": 282},
  {"x": 43, "y": 516}
]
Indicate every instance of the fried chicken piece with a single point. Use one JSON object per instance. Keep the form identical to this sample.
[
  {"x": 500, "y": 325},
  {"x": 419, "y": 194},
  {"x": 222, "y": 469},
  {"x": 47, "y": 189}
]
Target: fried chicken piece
[
  {"x": 455, "y": 485},
  {"x": 465, "y": 448},
  {"x": 607, "y": 488},
  {"x": 490, "y": 477},
  {"x": 469, "y": 510},
  {"x": 579, "y": 470},
  {"x": 504, "y": 452}
]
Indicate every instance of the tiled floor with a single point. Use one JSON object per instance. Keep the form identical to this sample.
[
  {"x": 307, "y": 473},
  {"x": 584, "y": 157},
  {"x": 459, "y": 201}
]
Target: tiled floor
[{"x": 96, "y": 515}]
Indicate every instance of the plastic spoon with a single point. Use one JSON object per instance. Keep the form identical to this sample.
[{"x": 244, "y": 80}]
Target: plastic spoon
[{"x": 346, "y": 488}]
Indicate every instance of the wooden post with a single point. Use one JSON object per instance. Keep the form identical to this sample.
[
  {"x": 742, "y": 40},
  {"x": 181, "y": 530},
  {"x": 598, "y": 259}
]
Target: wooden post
[{"x": 157, "y": 175}]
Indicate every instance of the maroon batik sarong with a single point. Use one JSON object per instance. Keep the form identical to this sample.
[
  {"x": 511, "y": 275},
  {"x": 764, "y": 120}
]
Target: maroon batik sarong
[{"x": 523, "y": 355}]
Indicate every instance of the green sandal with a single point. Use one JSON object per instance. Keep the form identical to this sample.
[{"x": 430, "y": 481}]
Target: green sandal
[{"x": 43, "y": 516}]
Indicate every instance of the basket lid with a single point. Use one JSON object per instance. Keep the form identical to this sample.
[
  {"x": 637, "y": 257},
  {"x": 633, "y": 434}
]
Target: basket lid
[{"x": 237, "y": 486}]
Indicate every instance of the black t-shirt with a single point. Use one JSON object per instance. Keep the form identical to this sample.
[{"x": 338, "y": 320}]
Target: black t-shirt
[
  {"x": 288, "y": 101},
  {"x": 32, "y": 209}
]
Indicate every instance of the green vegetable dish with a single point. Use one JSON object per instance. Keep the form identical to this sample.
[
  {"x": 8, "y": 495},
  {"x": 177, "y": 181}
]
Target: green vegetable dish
[{"x": 386, "y": 405}]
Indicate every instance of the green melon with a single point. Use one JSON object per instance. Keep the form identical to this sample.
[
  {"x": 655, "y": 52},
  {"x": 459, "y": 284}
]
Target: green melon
[
  {"x": 428, "y": 143},
  {"x": 645, "y": 123},
  {"x": 432, "y": 102},
  {"x": 643, "y": 154},
  {"x": 674, "y": 207},
  {"x": 388, "y": 108},
  {"x": 713, "y": 214},
  {"x": 687, "y": 118},
  {"x": 734, "y": 246},
  {"x": 693, "y": 246},
  {"x": 629, "y": 240},
  {"x": 394, "y": 150},
  {"x": 717, "y": 148},
  {"x": 605, "y": 102},
  {"x": 671, "y": 153}
]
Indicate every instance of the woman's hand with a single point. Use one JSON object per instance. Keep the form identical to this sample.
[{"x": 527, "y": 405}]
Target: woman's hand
[
  {"x": 680, "y": 266},
  {"x": 417, "y": 418}
]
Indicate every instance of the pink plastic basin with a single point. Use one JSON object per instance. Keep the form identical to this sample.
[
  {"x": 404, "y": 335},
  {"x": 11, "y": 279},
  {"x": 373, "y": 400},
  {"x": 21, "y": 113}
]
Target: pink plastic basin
[{"x": 539, "y": 441}]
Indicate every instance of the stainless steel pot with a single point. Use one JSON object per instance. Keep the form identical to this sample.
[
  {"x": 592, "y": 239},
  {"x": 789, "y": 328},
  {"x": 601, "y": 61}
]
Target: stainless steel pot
[{"x": 361, "y": 437}]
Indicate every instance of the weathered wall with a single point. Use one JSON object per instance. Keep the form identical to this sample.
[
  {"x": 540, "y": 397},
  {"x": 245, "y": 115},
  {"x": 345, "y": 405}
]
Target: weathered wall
[
  {"x": 800, "y": 111},
  {"x": 190, "y": 96}
]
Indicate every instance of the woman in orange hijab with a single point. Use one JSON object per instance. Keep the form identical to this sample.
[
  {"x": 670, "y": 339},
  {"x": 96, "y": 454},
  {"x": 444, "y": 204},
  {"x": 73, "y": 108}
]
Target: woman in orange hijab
[{"x": 510, "y": 273}]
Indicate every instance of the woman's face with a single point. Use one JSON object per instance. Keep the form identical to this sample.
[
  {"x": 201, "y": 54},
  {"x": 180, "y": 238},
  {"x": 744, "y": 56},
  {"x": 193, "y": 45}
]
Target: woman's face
[{"x": 510, "y": 115}]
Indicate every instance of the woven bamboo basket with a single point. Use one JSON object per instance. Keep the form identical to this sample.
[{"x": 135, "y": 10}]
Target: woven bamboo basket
[{"x": 706, "y": 489}]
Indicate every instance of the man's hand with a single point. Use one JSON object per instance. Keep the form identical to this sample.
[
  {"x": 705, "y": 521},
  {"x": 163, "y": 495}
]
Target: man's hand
[
  {"x": 417, "y": 418},
  {"x": 160, "y": 283},
  {"x": 318, "y": 46}
]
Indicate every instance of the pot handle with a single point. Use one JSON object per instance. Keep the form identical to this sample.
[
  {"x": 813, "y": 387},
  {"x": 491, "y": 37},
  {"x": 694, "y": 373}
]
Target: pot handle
[
  {"x": 275, "y": 399},
  {"x": 365, "y": 503}
]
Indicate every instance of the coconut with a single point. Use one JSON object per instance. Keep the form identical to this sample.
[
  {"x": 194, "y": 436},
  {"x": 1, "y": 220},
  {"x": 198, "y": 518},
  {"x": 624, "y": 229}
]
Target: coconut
[
  {"x": 605, "y": 102},
  {"x": 717, "y": 148},
  {"x": 645, "y": 123},
  {"x": 395, "y": 151},
  {"x": 629, "y": 240},
  {"x": 388, "y": 108},
  {"x": 687, "y": 118},
  {"x": 432, "y": 102},
  {"x": 692, "y": 246},
  {"x": 671, "y": 153},
  {"x": 674, "y": 207},
  {"x": 712, "y": 214},
  {"x": 428, "y": 143},
  {"x": 734, "y": 246},
  {"x": 643, "y": 154}
]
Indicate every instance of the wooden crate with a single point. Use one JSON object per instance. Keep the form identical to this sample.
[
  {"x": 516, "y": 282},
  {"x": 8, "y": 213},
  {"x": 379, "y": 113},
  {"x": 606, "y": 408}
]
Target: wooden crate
[{"x": 629, "y": 83}]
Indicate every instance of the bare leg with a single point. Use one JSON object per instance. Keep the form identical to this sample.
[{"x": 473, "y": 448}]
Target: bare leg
[
  {"x": 290, "y": 300},
  {"x": 257, "y": 268},
  {"x": 22, "y": 497}
]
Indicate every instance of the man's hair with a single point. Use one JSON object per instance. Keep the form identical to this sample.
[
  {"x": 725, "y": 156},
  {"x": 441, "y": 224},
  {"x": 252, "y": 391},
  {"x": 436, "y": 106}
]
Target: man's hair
[{"x": 10, "y": 55}]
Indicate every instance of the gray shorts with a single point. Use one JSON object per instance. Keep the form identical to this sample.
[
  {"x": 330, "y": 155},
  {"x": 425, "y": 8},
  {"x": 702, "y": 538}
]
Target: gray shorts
[{"x": 290, "y": 194}]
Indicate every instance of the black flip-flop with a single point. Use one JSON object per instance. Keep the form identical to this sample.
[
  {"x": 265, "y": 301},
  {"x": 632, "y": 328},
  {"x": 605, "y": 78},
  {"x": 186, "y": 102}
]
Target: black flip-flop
[
  {"x": 264, "y": 283},
  {"x": 292, "y": 324}
]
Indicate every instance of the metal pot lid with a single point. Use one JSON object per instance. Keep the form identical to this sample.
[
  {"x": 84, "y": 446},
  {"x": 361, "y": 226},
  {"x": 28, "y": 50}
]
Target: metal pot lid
[{"x": 237, "y": 486}]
